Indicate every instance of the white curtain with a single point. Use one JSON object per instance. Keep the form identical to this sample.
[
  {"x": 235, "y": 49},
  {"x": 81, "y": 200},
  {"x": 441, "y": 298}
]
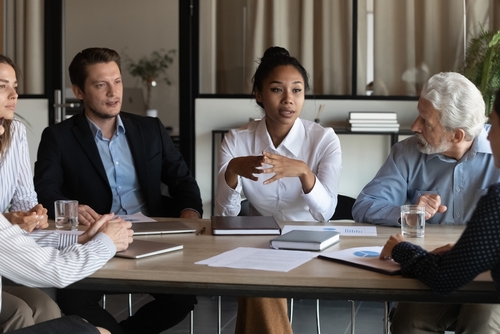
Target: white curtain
[
  {"x": 317, "y": 33},
  {"x": 24, "y": 42},
  {"x": 415, "y": 39}
]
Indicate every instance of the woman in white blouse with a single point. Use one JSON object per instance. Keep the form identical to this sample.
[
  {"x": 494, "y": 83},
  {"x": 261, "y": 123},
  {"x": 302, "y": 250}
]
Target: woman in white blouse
[
  {"x": 22, "y": 306},
  {"x": 287, "y": 167}
]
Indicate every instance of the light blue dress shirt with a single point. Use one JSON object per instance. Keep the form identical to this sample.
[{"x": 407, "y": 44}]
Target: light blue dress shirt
[
  {"x": 119, "y": 165},
  {"x": 408, "y": 174}
]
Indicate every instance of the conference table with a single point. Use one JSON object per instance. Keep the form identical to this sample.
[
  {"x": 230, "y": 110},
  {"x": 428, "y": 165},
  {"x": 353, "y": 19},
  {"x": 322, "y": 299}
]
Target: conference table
[{"x": 176, "y": 272}]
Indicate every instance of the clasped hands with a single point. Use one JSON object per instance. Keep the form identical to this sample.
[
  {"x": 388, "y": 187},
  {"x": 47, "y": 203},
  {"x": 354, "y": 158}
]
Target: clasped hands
[
  {"x": 36, "y": 218},
  {"x": 117, "y": 229},
  {"x": 266, "y": 163}
]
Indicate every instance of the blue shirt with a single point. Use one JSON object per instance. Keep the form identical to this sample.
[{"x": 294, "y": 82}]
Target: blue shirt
[
  {"x": 119, "y": 166},
  {"x": 408, "y": 174}
]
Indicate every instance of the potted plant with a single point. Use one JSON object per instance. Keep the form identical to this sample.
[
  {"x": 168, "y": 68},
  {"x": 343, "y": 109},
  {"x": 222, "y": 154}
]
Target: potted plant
[
  {"x": 151, "y": 69},
  {"x": 482, "y": 65}
]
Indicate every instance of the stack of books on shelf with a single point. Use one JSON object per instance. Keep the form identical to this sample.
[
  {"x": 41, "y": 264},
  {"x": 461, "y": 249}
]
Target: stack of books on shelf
[{"x": 373, "y": 122}]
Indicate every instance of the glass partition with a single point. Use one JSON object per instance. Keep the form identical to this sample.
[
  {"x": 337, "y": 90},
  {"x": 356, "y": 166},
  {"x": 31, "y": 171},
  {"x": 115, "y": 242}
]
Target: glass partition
[{"x": 399, "y": 44}]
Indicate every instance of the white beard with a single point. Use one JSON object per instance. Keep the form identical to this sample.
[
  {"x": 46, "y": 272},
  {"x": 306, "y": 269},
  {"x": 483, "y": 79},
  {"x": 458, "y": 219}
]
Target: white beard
[{"x": 425, "y": 147}]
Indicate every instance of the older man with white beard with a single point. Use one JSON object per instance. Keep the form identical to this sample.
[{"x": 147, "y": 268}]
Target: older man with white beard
[{"x": 447, "y": 166}]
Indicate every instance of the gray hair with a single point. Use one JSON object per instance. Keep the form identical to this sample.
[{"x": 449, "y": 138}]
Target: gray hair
[{"x": 458, "y": 101}]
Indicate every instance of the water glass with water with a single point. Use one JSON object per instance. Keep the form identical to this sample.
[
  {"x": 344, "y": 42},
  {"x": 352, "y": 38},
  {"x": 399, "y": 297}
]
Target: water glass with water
[
  {"x": 66, "y": 214},
  {"x": 413, "y": 221}
]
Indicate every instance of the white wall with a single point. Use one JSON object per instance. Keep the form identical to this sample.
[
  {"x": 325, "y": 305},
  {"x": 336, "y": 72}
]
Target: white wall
[
  {"x": 36, "y": 115},
  {"x": 362, "y": 154},
  {"x": 133, "y": 27}
]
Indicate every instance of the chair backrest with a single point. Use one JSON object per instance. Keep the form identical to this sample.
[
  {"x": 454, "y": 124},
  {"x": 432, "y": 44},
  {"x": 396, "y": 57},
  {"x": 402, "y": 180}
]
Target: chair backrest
[
  {"x": 344, "y": 208},
  {"x": 245, "y": 208}
]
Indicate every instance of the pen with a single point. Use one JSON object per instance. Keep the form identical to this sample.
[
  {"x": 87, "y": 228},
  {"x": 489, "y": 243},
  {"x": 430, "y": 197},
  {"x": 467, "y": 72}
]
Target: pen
[{"x": 202, "y": 230}]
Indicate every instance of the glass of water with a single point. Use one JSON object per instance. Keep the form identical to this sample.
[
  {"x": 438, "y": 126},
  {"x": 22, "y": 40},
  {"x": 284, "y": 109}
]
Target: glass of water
[
  {"x": 66, "y": 214},
  {"x": 413, "y": 221}
]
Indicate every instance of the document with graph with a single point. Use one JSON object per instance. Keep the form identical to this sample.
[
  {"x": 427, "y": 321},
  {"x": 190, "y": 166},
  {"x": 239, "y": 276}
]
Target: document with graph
[{"x": 365, "y": 258}]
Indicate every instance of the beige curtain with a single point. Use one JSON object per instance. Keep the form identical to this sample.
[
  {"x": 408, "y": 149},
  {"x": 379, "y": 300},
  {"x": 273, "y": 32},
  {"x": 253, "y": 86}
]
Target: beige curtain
[
  {"x": 317, "y": 33},
  {"x": 24, "y": 42},
  {"x": 415, "y": 39}
]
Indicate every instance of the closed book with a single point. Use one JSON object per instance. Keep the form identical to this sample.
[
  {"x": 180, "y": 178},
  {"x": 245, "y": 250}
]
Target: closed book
[
  {"x": 374, "y": 129},
  {"x": 372, "y": 115},
  {"x": 230, "y": 225},
  {"x": 372, "y": 121},
  {"x": 306, "y": 240}
]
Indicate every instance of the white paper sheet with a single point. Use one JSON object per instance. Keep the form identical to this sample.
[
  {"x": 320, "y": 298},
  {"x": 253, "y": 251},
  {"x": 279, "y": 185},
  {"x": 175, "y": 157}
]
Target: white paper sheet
[
  {"x": 259, "y": 259},
  {"x": 138, "y": 217},
  {"x": 343, "y": 230}
]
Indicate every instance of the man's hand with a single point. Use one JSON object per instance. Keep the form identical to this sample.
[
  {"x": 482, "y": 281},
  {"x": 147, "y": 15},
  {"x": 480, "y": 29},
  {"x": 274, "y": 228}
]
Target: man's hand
[
  {"x": 190, "y": 214},
  {"x": 117, "y": 229},
  {"x": 432, "y": 203},
  {"x": 386, "y": 253},
  {"x": 28, "y": 221},
  {"x": 86, "y": 215}
]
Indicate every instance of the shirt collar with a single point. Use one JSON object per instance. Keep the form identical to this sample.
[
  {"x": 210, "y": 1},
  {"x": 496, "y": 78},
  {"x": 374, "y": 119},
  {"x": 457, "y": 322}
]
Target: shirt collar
[
  {"x": 96, "y": 131},
  {"x": 292, "y": 142}
]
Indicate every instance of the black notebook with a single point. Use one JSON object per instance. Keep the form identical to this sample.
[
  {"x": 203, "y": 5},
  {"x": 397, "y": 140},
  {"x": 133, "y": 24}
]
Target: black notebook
[
  {"x": 364, "y": 258},
  {"x": 230, "y": 225},
  {"x": 306, "y": 240}
]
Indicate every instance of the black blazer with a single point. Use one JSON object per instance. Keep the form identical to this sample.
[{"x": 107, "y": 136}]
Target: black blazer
[{"x": 69, "y": 166}]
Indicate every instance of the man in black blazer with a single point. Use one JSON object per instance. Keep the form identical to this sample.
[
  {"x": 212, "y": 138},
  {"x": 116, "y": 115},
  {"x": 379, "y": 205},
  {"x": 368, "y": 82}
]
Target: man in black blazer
[{"x": 109, "y": 160}]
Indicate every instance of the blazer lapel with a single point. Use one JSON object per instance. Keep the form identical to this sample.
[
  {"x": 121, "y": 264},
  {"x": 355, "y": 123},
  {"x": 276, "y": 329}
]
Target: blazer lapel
[{"x": 83, "y": 135}]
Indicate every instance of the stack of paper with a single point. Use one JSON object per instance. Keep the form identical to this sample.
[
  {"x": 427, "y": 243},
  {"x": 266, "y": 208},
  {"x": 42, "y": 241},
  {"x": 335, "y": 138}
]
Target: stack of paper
[{"x": 373, "y": 122}]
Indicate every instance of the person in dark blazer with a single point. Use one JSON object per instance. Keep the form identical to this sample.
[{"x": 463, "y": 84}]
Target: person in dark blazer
[
  {"x": 68, "y": 162},
  {"x": 112, "y": 161}
]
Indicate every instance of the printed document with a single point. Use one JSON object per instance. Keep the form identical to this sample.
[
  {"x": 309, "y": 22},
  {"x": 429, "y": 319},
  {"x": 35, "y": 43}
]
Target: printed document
[{"x": 259, "y": 259}]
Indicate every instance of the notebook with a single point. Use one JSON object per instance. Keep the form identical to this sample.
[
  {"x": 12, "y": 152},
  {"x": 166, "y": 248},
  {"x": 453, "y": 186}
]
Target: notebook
[
  {"x": 305, "y": 240},
  {"x": 144, "y": 248},
  {"x": 248, "y": 225},
  {"x": 364, "y": 258},
  {"x": 161, "y": 228}
]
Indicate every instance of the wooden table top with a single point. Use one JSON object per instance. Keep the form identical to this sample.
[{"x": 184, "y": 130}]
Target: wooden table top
[{"x": 176, "y": 271}]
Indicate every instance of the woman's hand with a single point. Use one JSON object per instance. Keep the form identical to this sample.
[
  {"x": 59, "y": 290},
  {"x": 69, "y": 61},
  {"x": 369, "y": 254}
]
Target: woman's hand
[
  {"x": 245, "y": 167},
  {"x": 386, "y": 253},
  {"x": 285, "y": 167},
  {"x": 28, "y": 221},
  {"x": 442, "y": 249}
]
